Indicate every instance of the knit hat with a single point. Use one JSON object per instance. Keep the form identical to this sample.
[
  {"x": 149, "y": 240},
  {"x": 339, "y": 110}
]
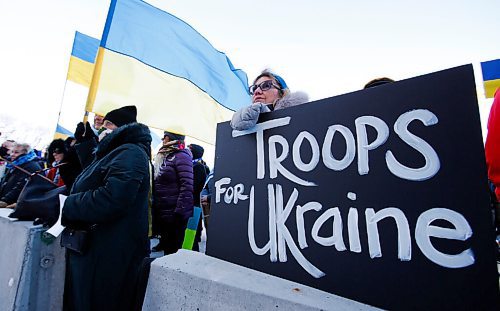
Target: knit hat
[
  {"x": 57, "y": 146},
  {"x": 377, "y": 82},
  {"x": 283, "y": 87},
  {"x": 197, "y": 151},
  {"x": 280, "y": 81},
  {"x": 122, "y": 116},
  {"x": 174, "y": 136}
]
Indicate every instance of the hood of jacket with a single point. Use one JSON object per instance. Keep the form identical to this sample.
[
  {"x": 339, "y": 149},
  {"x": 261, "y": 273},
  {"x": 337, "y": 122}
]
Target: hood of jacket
[
  {"x": 290, "y": 100},
  {"x": 133, "y": 133}
]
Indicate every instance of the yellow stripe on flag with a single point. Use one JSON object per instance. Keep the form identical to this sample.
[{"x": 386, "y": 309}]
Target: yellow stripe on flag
[
  {"x": 163, "y": 101},
  {"x": 490, "y": 87},
  {"x": 80, "y": 71}
]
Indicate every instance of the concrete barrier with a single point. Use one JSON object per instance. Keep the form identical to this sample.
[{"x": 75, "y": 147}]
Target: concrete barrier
[
  {"x": 193, "y": 281},
  {"x": 32, "y": 278},
  {"x": 31, "y": 271}
]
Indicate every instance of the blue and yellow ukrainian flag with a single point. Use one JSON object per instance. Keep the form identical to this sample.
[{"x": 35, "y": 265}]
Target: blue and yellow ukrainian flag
[
  {"x": 62, "y": 132},
  {"x": 176, "y": 78},
  {"x": 80, "y": 71},
  {"x": 491, "y": 77},
  {"x": 81, "y": 64}
]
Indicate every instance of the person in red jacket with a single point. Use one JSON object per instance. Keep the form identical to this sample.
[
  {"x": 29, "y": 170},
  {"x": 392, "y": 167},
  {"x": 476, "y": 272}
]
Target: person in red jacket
[
  {"x": 492, "y": 146},
  {"x": 65, "y": 166},
  {"x": 57, "y": 150}
]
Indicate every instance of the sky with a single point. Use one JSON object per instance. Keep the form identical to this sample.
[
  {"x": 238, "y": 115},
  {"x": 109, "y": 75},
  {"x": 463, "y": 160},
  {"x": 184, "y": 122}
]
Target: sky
[{"x": 322, "y": 47}]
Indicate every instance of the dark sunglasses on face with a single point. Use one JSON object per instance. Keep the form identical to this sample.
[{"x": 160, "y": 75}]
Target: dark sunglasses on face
[{"x": 264, "y": 86}]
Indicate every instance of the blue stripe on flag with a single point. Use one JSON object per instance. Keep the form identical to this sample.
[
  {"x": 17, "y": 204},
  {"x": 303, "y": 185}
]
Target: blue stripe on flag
[
  {"x": 62, "y": 130},
  {"x": 107, "y": 26},
  {"x": 85, "y": 47},
  {"x": 163, "y": 41},
  {"x": 491, "y": 70}
]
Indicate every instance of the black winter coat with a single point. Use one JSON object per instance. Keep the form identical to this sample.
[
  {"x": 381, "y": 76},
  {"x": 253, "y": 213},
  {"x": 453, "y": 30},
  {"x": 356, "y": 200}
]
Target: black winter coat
[
  {"x": 112, "y": 192},
  {"x": 71, "y": 169},
  {"x": 200, "y": 173},
  {"x": 15, "y": 180}
]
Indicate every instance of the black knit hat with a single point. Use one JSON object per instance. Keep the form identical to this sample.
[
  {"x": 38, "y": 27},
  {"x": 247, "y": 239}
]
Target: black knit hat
[
  {"x": 197, "y": 151},
  {"x": 377, "y": 82},
  {"x": 174, "y": 136},
  {"x": 122, "y": 116},
  {"x": 57, "y": 146}
]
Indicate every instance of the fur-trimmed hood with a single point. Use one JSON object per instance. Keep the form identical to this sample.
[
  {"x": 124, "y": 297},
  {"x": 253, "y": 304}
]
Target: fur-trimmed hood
[
  {"x": 133, "y": 133},
  {"x": 247, "y": 117},
  {"x": 290, "y": 100}
]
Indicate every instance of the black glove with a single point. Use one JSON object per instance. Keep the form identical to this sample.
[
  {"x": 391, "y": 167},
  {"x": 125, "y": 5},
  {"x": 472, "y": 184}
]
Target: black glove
[{"x": 84, "y": 133}]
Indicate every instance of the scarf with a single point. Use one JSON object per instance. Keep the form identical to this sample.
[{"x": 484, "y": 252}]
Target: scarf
[
  {"x": 22, "y": 159},
  {"x": 56, "y": 175},
  {"x": 172, "y": 146},
  {"x": 165, "y": 150}
]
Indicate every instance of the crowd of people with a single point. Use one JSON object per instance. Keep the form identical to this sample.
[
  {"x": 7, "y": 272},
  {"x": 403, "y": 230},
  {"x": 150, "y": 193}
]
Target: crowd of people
[
  {"x": 121, "y": 195},
  {"x": 118, "y": 196}
]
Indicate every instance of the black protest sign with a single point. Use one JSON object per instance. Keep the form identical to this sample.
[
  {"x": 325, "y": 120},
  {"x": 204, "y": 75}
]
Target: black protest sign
[{"x": 379, "y": 196}]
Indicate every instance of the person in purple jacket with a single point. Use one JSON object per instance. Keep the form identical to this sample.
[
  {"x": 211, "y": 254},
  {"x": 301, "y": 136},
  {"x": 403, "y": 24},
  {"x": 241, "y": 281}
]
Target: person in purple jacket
[{"x": 173, "y": 192}]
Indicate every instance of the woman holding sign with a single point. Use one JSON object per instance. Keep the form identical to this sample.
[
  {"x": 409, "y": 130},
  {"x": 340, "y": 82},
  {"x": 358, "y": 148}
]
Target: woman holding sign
[{"x": 269, "y": 92}]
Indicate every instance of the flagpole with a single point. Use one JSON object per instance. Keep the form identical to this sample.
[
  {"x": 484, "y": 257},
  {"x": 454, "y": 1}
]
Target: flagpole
[
  {"x": 96, "y": 75},
  {"x": 64, "y": 90},
  {"x": 85, "y": 117}
]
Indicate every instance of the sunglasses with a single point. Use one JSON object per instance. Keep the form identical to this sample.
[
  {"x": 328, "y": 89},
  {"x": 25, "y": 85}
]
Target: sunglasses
[{"x": 264, "y": 86}]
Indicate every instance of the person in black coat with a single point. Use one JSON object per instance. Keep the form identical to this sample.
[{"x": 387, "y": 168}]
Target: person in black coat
[
  {"x": 14, "y": 180},
  {"x": 206, "y": 197},
  {"x": 200, "y": 173},
  {"x": 70, "y": 167},
  {"x": 110, "y": 199}
]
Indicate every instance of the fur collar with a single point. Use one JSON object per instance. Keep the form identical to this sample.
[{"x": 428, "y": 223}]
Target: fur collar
[
  {"x": 133, "y": 133},
  {"x": 292, "y": 99}
]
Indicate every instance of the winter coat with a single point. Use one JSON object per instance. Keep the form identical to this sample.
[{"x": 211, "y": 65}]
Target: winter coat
[
  {"x": 71, "y": 169},
  {"x": 85, "y": 152},
  {"x": 174, "y": 187},
  {"x": 70, "y": 164},
  {"x": 52, "y": 175},
  {"x": 112, "y": 193},
  {"x": 14, "y": 181},
  {"x": 200, "y": 173},
  {"x": 247, "y": 117}
]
